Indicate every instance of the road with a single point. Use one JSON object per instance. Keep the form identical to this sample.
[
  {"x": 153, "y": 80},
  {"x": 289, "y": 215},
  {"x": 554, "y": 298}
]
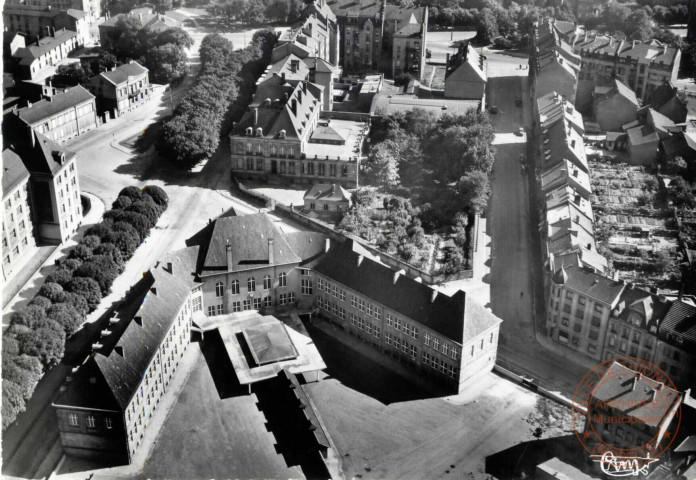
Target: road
[{"x": 512, "y": 260}]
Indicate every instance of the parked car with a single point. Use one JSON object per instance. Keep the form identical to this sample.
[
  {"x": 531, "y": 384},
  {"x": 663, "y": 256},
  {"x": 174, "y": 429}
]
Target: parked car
[{"x": 494, "y": 109}]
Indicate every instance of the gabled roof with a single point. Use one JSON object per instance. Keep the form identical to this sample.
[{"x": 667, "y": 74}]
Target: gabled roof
[
  {"x": 661, "y": 95},
  {"x": 567, "y": 236},
  {"x": 327, "y": 192},
  {"x": 14, "y": 172},
  {"x": 456, "y": 317},
  {"x": 582, "y": 257},
  {"x": 122, "y": 73},
  {"x": 675, "y": 109},
  {"x": 54, "y": 105},
  {"x": 319, "y": 65},
  {"x": 634, "y": 395},
  {"x": 565, "y": 196},
  {"x": 45, "y": 156},
  {"x": 292, "y": 66},
  {"x": 249, "y": 238},
  {"x": 466, "y": 66},
  {"x": 648, "y": 305},
  {"x": 594, "y": 285},
  {"x": 45, "y": 45},
  {"x": 553, "y": 107},
  {"x": 409, "y": 30},
  {"x": 642, "y": 135},
  {"x": 566, "y": 173},
  {"x": 618, "y": 88},
  {"x": 680, "y": 321},
  {"x": 561, "y": 142},
  {"x": 145, "y": 19}
]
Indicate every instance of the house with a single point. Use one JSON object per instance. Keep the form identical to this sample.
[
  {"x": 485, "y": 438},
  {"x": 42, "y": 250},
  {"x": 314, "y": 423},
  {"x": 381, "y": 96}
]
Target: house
[
  {"x": 310, "y": 37},
  {"x": 466, "y": 75},
  {"x": 110, "y": 401},
  {"x": 91, "y": 7},
  {"x": 122, "y": 88},
  {"x": 409, "y": 48},
  {"x": 614, "y": 106},
  {"x": 552, "y": 107},
  {"x": 146, "y": 18},
  {"x": 327, "y": 199},
  {"x": 676, "y": 335},
  {"x": 642, "y": 144},
  {"x": 578, "y": 310},
  {"x": 564, "y": 174},
  {"x": 62, "y": 116},
  {"x": 54, "y": 189},
  {"x": 369, "y": 30},
  {"x": 447, "y": 339},
  {"x": 18, "y": 243},
  {"x": 629, "y": 410},
  {"x": 561, "y": 142},
  {"x": 39, "y": 59},
  {"x": 553, "y": 73},
  {"x": 665, "y": 100},
  {"x": 283, "y": 134},
  {"x": 616, "y": 141},
  {"x": 36, "y": 21}
]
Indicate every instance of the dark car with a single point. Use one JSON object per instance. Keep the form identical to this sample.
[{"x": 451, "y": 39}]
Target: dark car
[{"x": 494, "y": 109}]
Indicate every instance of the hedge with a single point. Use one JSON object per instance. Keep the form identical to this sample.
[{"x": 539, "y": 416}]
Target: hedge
[{"x": 36, "y": 338}]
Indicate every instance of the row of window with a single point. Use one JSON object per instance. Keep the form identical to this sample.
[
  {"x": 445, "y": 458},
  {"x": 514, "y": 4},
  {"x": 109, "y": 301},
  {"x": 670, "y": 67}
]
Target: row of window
[
  {"x": 436, "y": 364},
  {"x": 401, "y": 345},
  {"x": 332, "y": 289},
  {"x": 306, "y": 168},
  {"x": 74, "y": 421},
  {"x": 251, "y": 284},
  {"x": 331, "y": 307},
  {"x": 402, "y": 326},
  {"x": 365, "y": 325}
]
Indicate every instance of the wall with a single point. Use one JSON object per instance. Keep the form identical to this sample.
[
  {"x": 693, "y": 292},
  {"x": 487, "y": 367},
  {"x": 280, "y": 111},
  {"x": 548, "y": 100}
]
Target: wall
[{"x": 96, "y": 442}]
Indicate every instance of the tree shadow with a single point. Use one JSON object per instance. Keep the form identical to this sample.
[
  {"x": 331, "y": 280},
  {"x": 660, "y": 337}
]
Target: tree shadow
[{"x": 358, "y": 372}]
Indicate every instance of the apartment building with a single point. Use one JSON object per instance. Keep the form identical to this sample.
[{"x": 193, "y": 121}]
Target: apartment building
[
  {"x": 62, "y": 116},
  {"x": 317, "y": 37},
  {"x": 38, "y": 58},
  {"x": 409, "y": 48},
  {"x": 111, "y": 398},
  {"x": 467, "y": 75},
  {"x": 552, "y": 107},
  {"x": 91, "y": 7},
  {"x": 676, "y": 343},
  {"x": 38, "y": 21},
  {"x": 283, "y": 134},
  {"x": 449, "y": 339},
  {"x": 18, "y": 243},
  {"x": 614, "y": 106},
  {"x": 122, "y": 88}
]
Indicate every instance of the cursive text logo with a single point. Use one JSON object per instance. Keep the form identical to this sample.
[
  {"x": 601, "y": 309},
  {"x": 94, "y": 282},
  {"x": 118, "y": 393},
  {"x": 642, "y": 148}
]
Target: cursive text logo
[{"x": 623, "y": 466}]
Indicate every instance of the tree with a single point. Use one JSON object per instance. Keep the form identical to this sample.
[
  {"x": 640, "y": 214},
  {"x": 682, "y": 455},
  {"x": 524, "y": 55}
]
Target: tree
[
  {"x": 121, "y": 203},
  {"x": 67, "y": 317},
  {"x": 167, "y": 63},
  {"x": 277, "y": 10},
  {"x": 486, "y": 26},
  {"x": 382, "y": 166},
  {"x": 125, "y": 39},
  {"x": 70, "y": 75},
  {"x": 638, "y": 26},
  {"x": 52, "y": 291},
  {"x": 47, "y": 344},
  {"x": 25, "y": 378},
  {"x": 41, "y": 302},
  {"x": 175, "y": 36},
  {"x": 88, "y": 288},
  {"x": 61, "y": 276},
  {"x": 100, "y": 268},
  {"x": 141, "y": 224},
  {"x": 147, "y": 210},
  {"x": 163, "y": 6},
  {"x": 158, "y": 195},
  {"x": 473, "y": 191},
  {"x": 112, "y": 251},
  {"x": 90, "y": 241},
  {"x": 103, "y": 229},
  {"x": 134, "y": 193},
  {"x": 12, "y": 402},
  {"x": 127, "y": 241},
  {"x": 81, "y": 252},
  {"x": 683, "y": 194},
  {"x": 29, "y": 317}
]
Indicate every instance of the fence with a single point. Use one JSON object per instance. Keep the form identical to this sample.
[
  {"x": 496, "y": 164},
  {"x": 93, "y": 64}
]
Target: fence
[{"x": 317, "y": 225}]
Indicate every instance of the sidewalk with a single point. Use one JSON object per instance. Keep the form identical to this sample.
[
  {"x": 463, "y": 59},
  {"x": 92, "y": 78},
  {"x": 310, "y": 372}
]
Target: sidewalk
[
  {"x": 35, "y": 279},
  {"x": 33, "y": 264}
]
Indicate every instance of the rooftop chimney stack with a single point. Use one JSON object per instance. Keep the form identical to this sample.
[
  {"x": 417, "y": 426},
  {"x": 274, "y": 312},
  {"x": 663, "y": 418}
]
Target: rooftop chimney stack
[
  {"x": 271, "y": 254},
  {"x": 228, "y": 251}
]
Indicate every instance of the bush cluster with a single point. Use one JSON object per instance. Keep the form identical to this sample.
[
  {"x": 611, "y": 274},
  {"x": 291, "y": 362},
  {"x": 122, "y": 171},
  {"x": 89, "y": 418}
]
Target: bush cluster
[
  {"x": 193, "y": 133},
  {"x": 35, "y": 340}
]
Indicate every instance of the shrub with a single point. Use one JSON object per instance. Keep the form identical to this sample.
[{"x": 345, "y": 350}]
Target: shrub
[
  {"x": 71, "y": 263},
  {"x": 41, "y": 302},
  {"x": 47, "y": 344},
  {"x": 112, "y": 251},
  {"x": 158, "y": 195},
  {"x": 67, "y": 317},
  {"x": 81, "y": 252},
  {"x": 141, "y": 224},
  {"x": 134, "y": 193},
  {"x": 12, "y": 402},
  {"x": 10, "y": 349},
  {"x": 30, "y": 317},
  {"x": 26, "y": 379},
  {"x": 52, "y": 291},
  {"x": 127, "y": 241},
  {"x": 61, "y": 276},
  {"x": 121, "y": 203},
  {"x": 102, "y": 269},
  {"x": 78, "y": 302},
  {"x": 147, "y": 210},
  {"x": 101, "y": 230},
  {"x": 88, "y": 288},
  {"x": 90, "y": 241}
]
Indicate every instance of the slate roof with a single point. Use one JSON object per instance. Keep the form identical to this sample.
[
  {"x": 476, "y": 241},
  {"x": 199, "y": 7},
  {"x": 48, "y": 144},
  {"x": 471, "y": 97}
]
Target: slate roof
[
  {"x": 630, "y": 393},
  {"x": 661, "y": 95},
  {"x": 675, "y": 109},
  {"x": 659, "y": 122},
  {"x": 147, "y": 20},
  {"x": 409, "y": 30},
  {"x": 46, "y": 44},
  {"x": 552, "y": 108},
  {"x": 649, "y": 305},
  {"x": 456, "y": 317},
  {"x": 566, "y": 173},
  {"x": 567, "y": 236},
  {"x": 589, "y": 283},
  {"x": 285, "y": 66},
  {"x": 642, "y": 135},
  {"x": 45, "y": 156},
  {"x": 618, "y": 88},
  {"x": 309, "y": 246},
  {"x": 249, "y": 237},
  {"x": 561, "y": 142},
  {"x": 677, "y": 146},
  {"x": 327, "y": 191},
  {"x": 369, "y": 8},
  {"x": 582, "y": 257},
  {"x": 13, "y": 170},
  {"x": 122, "y": 73},
  {"x": 46, "y": 108},
  {"x": 565, "y": 196},
  {"x": 467, "y": 64},
  {"x": 680, "y": 321}
]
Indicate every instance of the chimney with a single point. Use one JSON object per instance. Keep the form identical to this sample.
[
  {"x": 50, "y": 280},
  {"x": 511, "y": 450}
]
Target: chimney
[
  {"x": 294, "y": 107},
  {"x": 48, "y": 30},
  {"x": 635, "y": 382},
  {"x": 256, "y": 116},
  {"x": 153, "y": 290},
  {"x": 282, "y": 76},
  {"x": 140, "y": 17},
  {"x": 271, "y": 253},
  {"x": 53, "y": 31},
  {"x": 228, "y": 249},
  {"x": 396, "y": 275},
  {"x": 327, "y": 245},
  {"x": 447, "y": 61},
  {"x": 105, "y": 332},
  {"x": 113, "y": 320},
  {"x": 304, "y": 88}
]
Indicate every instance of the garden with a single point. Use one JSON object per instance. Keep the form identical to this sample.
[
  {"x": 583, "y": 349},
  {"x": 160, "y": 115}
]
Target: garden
[{"x": 35, "y": 340}]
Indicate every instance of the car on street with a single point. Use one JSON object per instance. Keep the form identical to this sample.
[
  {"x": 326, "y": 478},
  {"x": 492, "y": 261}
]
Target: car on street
[{"x": 494, "y": 109}]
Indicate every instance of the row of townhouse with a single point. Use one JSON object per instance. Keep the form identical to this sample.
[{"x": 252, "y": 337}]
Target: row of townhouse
[
  {"x": 38, "y": 57},
  {"x": 588, "y": 312},
  {"x": 91, "y": 7},
  {"x": 289, "y": 129},
  {"x": 34, "y": 21},
  {"x": 41, "y": 200},
  {"x": 238, "y": 264}
]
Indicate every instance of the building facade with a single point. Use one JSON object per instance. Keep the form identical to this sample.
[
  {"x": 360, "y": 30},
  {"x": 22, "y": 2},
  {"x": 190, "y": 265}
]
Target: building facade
[
  {"x": 63, "y": 116},
  {"x": 38, "y": 58},
  {"x": 467, "y": 76},
  {"x": 38, "y": 21},
  {"x": 326, "y": 199},
  {"x": 18, "y": 243},
  {"x": 122, "y": 88},
  {"x": 91, "y": 7}
]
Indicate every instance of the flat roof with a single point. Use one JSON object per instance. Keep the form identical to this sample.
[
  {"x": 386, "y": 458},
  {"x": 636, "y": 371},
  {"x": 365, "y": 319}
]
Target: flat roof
[
  {"x": 272, "y": 346},
  {"x": 354, "y": 134}
]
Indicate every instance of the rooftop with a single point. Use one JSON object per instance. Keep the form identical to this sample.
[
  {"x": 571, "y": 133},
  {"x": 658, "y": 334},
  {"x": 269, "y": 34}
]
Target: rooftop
[
  {"x": 122, "y": 73},
  {"x": 14, "y": 172},
  {"x": 45, "y": 45},
  {"x": 599, "y": 287},
  {"x": 561, "y": 142},
  {"x": 327, "y": 192},
  {"x": 566, "y": 173},
  {"x": 680, "y": 322},
  {"x": 388, "y": 104},
  {"x": 51, "y": 106},
  {"x": 552, "y": 107},
  {"x": 353, "y": 134},
  {"x": 641, "y": 135}
]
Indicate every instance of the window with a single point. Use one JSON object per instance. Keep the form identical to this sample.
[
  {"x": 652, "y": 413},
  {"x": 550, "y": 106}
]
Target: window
[
  {"x": 251, "y": 284},
  {"x": 72, "y": 418},
  {"x": 267, "y": 301},
  {"x": 220, "y": 309},
  {"x": 257, "y": 303},
  {"x": 282, "y": 279},
  {"x": 234, "y": 287},
  {"x": 246, "y": 305},
  {"x": 283, "y": 299},
  {"x": 564, "y": 321},
  {"x": 197, "y": 304},
  {"x": 305, "y": 272},
  {"x": 577, "y": 327},
  {"x": 211, "y": 311},
  {"x": 354, "y": 302},
  {"x": 582, "y": 301},
  {"x": 342, "y": 297},
  {"x": 436, "y": 344},
  {"x": 267, "y": 282},
  {"x": 90, "y": 420},
  {"x": 219, "y": 289},
  {"x": 107, "y": 423},
  {"x": 427, "y": 336},
  {"x": 306, "y": 287},
  {"x": 237, "y": 306},
  {"x": 569, "y": 295},
  {"x": 312, "y": 206},
  {"x": 291, "y": 297},
  {"x": 599, "y": 309},
  {"x": 454, "y": 353}
]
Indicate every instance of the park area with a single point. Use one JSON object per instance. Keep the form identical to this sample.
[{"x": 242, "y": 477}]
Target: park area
[{"x": 634, "y": 227}]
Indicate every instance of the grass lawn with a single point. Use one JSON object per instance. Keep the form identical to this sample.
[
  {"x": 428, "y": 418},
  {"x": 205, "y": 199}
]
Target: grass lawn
[
  {"x": 422, "y": 437},
  {"x": 209, "y": 437}
]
